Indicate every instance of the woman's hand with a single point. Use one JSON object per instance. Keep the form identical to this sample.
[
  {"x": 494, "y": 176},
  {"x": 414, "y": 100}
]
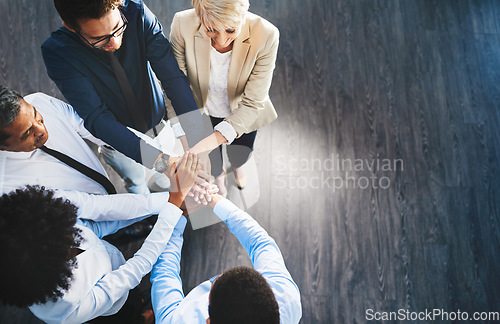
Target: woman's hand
[
  {"x": 201, "y": 187},
  {"x": 215, "y": 198},
  {"x": 190, "y": 205}
]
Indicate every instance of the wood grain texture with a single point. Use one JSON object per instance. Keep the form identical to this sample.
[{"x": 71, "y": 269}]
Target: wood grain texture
[{"x": 415, "y": 81}]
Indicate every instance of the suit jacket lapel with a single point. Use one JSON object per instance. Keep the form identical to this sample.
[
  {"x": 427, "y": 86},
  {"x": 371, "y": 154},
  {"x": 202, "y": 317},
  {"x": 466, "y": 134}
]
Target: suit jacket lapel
[
  {"x": 202, "y": 55},
  {"x": 241, "y": 47}
]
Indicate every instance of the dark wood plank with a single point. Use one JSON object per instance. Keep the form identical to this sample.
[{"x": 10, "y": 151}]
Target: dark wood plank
[{"x": 482, "y": 16}]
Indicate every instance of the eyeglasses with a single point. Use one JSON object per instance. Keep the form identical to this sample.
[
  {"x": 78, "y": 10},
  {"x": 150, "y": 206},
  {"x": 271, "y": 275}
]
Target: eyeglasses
[{"x": 105, "y": 40}]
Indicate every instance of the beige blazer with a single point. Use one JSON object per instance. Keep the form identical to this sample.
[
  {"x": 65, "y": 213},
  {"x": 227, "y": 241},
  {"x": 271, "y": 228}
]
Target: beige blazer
[{"x": 250, "y": 72}]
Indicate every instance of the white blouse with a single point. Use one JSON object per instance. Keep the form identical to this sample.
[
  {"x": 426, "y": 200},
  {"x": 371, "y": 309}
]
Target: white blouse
[{"x": 217, "y": 100}]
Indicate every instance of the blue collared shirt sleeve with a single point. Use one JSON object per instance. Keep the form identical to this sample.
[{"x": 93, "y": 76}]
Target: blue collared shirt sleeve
[
  {"x": 265, "y": 256},
  {"x": 166, "y": 291},
  {"x": 104, "y": 228}
]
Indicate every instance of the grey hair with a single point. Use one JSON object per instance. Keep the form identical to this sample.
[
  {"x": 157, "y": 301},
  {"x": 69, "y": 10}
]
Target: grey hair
[{"x": 10, "y": 103}]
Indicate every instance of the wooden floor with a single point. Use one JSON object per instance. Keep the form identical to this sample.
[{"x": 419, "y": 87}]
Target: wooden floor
[{"x": 380, "y": 179}]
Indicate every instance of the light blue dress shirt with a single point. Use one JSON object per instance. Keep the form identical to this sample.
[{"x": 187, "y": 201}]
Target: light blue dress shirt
[{"x": 169, "y": 303}]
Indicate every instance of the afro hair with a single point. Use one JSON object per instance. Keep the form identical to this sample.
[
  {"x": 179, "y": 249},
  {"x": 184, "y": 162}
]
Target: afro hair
[{"x": 37, "y": 233}]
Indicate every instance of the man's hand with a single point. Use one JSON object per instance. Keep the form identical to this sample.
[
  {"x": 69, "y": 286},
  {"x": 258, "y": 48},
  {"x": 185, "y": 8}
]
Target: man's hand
[
  {"x": 172, "y": 160},
  {"x": 182, "y": 175}
]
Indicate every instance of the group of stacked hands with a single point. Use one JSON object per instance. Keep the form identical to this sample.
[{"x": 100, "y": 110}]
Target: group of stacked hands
[{"x": 108, "y": 60}]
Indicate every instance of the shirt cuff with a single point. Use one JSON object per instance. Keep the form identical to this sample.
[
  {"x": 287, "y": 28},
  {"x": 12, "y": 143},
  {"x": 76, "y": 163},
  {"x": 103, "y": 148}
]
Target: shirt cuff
[
  {"x": 170, "y": 213},
  {"x": 158, "y": 200},
  {"x": 226, "y": 130},
  {"x": 181, "y": 224},
  {"x": 224, "y": 208},
  {"x": 178, "y": 131}
]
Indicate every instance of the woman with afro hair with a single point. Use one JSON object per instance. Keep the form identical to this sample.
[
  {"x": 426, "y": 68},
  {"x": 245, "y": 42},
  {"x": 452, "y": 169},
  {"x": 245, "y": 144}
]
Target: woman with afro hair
[
  {"x": 40, "y": 251},
  {"x": 57, "y": 264}
]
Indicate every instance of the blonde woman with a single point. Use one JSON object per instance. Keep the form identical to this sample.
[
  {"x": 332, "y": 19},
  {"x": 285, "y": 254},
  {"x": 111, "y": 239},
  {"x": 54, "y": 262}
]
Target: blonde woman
[{"x": 228, "y": 55}]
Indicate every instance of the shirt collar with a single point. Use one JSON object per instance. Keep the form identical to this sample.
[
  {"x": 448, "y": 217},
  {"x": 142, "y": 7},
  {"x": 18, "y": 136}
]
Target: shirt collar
[{"x": 213, "y": 279}]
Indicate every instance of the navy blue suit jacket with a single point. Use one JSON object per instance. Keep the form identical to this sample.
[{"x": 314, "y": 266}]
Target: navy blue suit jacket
[{"x": 85, "y": 78}]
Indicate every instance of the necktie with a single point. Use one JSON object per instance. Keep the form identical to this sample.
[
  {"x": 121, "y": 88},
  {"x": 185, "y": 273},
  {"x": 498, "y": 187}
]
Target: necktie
[
  {"x": 92, "y": 174},
  {"x": 127, "y": 91}
]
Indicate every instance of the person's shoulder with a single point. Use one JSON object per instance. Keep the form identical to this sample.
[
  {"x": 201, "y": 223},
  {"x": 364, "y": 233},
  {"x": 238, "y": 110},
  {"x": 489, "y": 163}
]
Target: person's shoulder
[
  {"x": 133, "y": 5},
  {"x": 46, "y": 103},
  {"x": 59, "y": 39},
  {"x": 186, "y": 22},
  {"x": 188, "y": 14},
  {"x": 258, "y": 23},
  {"x": 37, "y": 98}
]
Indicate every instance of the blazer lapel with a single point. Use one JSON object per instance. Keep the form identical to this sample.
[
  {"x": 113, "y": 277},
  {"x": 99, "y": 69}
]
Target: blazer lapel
[
  {"x": 241, "y": 47},
  {"x": 202, "y": 55}
]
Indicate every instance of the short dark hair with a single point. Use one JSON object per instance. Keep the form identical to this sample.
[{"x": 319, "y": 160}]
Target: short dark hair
[
  {"x": 10, "y": 103},
  {"x": 73, "y": 10},
  {"x": 242, "y": 295},
  {"x": 37, "y": 233}
]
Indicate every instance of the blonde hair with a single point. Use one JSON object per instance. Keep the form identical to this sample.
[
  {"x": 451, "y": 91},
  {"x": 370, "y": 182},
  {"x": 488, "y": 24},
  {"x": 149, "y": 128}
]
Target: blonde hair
[{"x": 221, "y": 14}]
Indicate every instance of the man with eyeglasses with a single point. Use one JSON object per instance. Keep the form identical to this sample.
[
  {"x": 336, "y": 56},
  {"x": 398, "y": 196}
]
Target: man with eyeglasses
[{"x": 107, "y": 59}]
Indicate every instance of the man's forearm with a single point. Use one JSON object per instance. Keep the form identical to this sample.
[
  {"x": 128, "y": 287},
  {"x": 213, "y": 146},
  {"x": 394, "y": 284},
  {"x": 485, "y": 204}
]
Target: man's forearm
[
  {"x": 260, "y": 246},
  {"x": 166, "y": 290}
]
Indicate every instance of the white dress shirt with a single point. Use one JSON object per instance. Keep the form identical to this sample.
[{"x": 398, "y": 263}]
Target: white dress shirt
[
  {"x": 66, "y": 135},
  {"x": 102, "y": 279}
]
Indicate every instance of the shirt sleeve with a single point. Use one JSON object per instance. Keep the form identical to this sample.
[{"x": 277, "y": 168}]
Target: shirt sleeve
[
  {"x": 173, "y": 80},
  {"x": 166, "y": 291},
  {"x": 265, "y": 256},
  {"x": 178, "y": 131},
  {"x": 73, "y": 119},
  {"x": 105, "y": 228},
  {"x": 98, "y": 119},
  {"x": 257, "y": 87},
  {"x": 115, "y": 207},
  {"x": 115, "y": 284}
]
